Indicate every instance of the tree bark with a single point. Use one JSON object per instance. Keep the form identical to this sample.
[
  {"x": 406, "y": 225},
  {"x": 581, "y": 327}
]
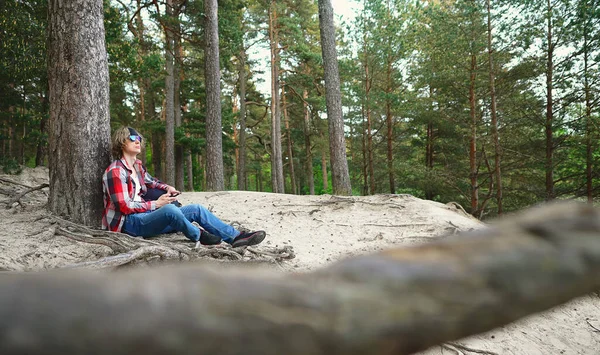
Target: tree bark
[
  {"x": 549, "y": 107},
  {"x": 589, "y": 142},
  {"x": 473, "y": 139},
  {"x": 340, "y": 175},
  {"x": 369, "y": 131},
  {"x": 241, "y": 167},
  {"x": 169, "y": 176},
  {"x": 42, "y": 148},
  {"x": 495, "y": 135},
  {"x": 177, "y": 77},
  {"x": 290, "y": 143},
  {"x": 277, "y": 179},
  {"x": 190, "y": 170},
  {"x": 214, "y": 139},
  {"x": 398, "y": 301},
  {"x": 390, "y": 127},
  {"x": 307, "y": 143},
  {"x": 79, "y": 133}
]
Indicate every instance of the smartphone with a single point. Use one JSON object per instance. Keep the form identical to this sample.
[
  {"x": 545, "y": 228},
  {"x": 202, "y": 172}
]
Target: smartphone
[{"x": 174, "y": 194}]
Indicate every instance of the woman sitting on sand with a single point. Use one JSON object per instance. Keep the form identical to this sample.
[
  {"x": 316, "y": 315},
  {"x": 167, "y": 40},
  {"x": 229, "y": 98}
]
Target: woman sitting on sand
[{"x": 128, "y": 208}]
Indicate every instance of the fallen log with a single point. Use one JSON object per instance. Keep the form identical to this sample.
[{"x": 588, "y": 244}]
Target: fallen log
[{"x": 394, "y": 302}]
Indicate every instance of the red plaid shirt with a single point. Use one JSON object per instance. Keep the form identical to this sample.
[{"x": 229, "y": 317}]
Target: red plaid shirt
[{"x": 118, "y": 187}]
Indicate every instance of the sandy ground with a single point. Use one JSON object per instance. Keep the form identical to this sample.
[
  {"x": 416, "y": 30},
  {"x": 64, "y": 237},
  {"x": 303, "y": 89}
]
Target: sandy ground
[{"x": 321, "y": 229}]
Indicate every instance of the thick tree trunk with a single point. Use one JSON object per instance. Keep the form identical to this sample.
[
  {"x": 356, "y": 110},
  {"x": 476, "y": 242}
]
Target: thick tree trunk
[
  {"x": 241, "y": 166},
  {"x": 495, "y": 135},
  {"x": 340, "y": 175},
  {"x": 307, "y": 144},
  {"x": 473, "y": 140},
  {"x": 169, "y": 176},
  {"x": 398, "y": 301},
  {"x": 214, "y": 139},
  {"x": 79, "y": 109},
  {"x": 277, "y": 179},
  {"x": 549, "y": 107}
]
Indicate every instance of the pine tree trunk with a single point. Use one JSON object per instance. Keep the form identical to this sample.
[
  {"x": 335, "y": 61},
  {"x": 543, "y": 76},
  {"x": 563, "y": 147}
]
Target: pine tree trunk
[
  {"x": 241, "y": 167},
  {"x": 169, "y": 97},
  {"x": 307, "y": 143},
  {"x": 365, "y": 188},
  {"x": 178, "y": 75},
  {"x": 549, "y": 107},
  {"x": 42, "y": 150},
  {"x": 143, "y": 83},
  {"x": 290, "y": 143},
  {"x": 214, "y": 139},
  {"x": 276, "y": 154},
  {"x": 473, "y": 139},
  {"x": 79, "y": 125},
  {"x": 495, "y": 135},
  {"x": 190, "y": 170},
  {"x": 369, "y": 131},
  {"x": 390, "y": 130},
  {"x": 340, "y": 175},
  {"x": 589, "y": 143},
  {"x": 324, "y": 169}
]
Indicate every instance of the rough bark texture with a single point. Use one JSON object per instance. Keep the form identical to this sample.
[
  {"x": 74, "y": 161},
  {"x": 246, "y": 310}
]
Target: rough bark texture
[
  {"x": 214, "y": 139},
  {"x": 337, "y": 144},
  {"x": 395, "y": 302},
  {"x": 79, "y": 131}
]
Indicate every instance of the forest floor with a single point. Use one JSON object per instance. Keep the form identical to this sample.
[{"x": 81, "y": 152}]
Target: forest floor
[{"x": 321, "y": 230}]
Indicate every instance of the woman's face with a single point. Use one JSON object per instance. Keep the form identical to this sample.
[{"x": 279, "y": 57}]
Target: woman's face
[{"x": 133, "y": 145}]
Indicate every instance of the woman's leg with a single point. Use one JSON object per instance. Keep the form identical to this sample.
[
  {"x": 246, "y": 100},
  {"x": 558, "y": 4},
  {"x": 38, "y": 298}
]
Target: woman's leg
[
  {"x": 166, "y": 219},
  {"x": 210, "y": 222}
]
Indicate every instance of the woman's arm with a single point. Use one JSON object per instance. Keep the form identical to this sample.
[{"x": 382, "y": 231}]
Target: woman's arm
[{"x": 115, "y": 182}]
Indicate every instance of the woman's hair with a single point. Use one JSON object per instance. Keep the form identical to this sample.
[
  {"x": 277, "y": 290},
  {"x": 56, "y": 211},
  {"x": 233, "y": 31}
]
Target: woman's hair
[{"x": 120, "y": 138}]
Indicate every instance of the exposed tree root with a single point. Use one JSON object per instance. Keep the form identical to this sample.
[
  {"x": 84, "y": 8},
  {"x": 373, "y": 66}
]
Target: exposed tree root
[{"x": 130, "y": 250}]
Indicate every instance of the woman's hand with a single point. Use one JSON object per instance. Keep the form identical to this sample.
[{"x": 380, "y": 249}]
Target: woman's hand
[
  {"x": 164, "y": 199},
  {"x": 172, "y": 191}
]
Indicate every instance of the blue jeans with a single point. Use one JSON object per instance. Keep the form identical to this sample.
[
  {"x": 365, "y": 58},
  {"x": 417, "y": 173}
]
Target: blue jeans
[{"x": 170, "y": 218}]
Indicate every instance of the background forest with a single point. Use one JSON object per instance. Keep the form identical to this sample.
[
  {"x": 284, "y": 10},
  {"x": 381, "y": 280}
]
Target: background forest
[{"x": 494, "y": 105}]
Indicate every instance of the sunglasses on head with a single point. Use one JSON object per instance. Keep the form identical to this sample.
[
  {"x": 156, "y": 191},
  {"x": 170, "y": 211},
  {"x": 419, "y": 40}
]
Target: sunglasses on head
[{"x": 134, "y": 138}]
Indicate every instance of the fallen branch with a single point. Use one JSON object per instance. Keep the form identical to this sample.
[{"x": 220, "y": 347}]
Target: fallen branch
[
  {"x": 457, "y": 347},
  {"x": 590, "y": 324},
  {"x": 395, "y": 302},
  {"x": 17, "y": 198}
]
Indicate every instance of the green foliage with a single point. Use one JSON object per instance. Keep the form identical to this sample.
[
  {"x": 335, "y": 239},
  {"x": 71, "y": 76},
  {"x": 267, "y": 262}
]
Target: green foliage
[
  {"x": 10, "y": 166},
  {"x": 416, "y": 57}
]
